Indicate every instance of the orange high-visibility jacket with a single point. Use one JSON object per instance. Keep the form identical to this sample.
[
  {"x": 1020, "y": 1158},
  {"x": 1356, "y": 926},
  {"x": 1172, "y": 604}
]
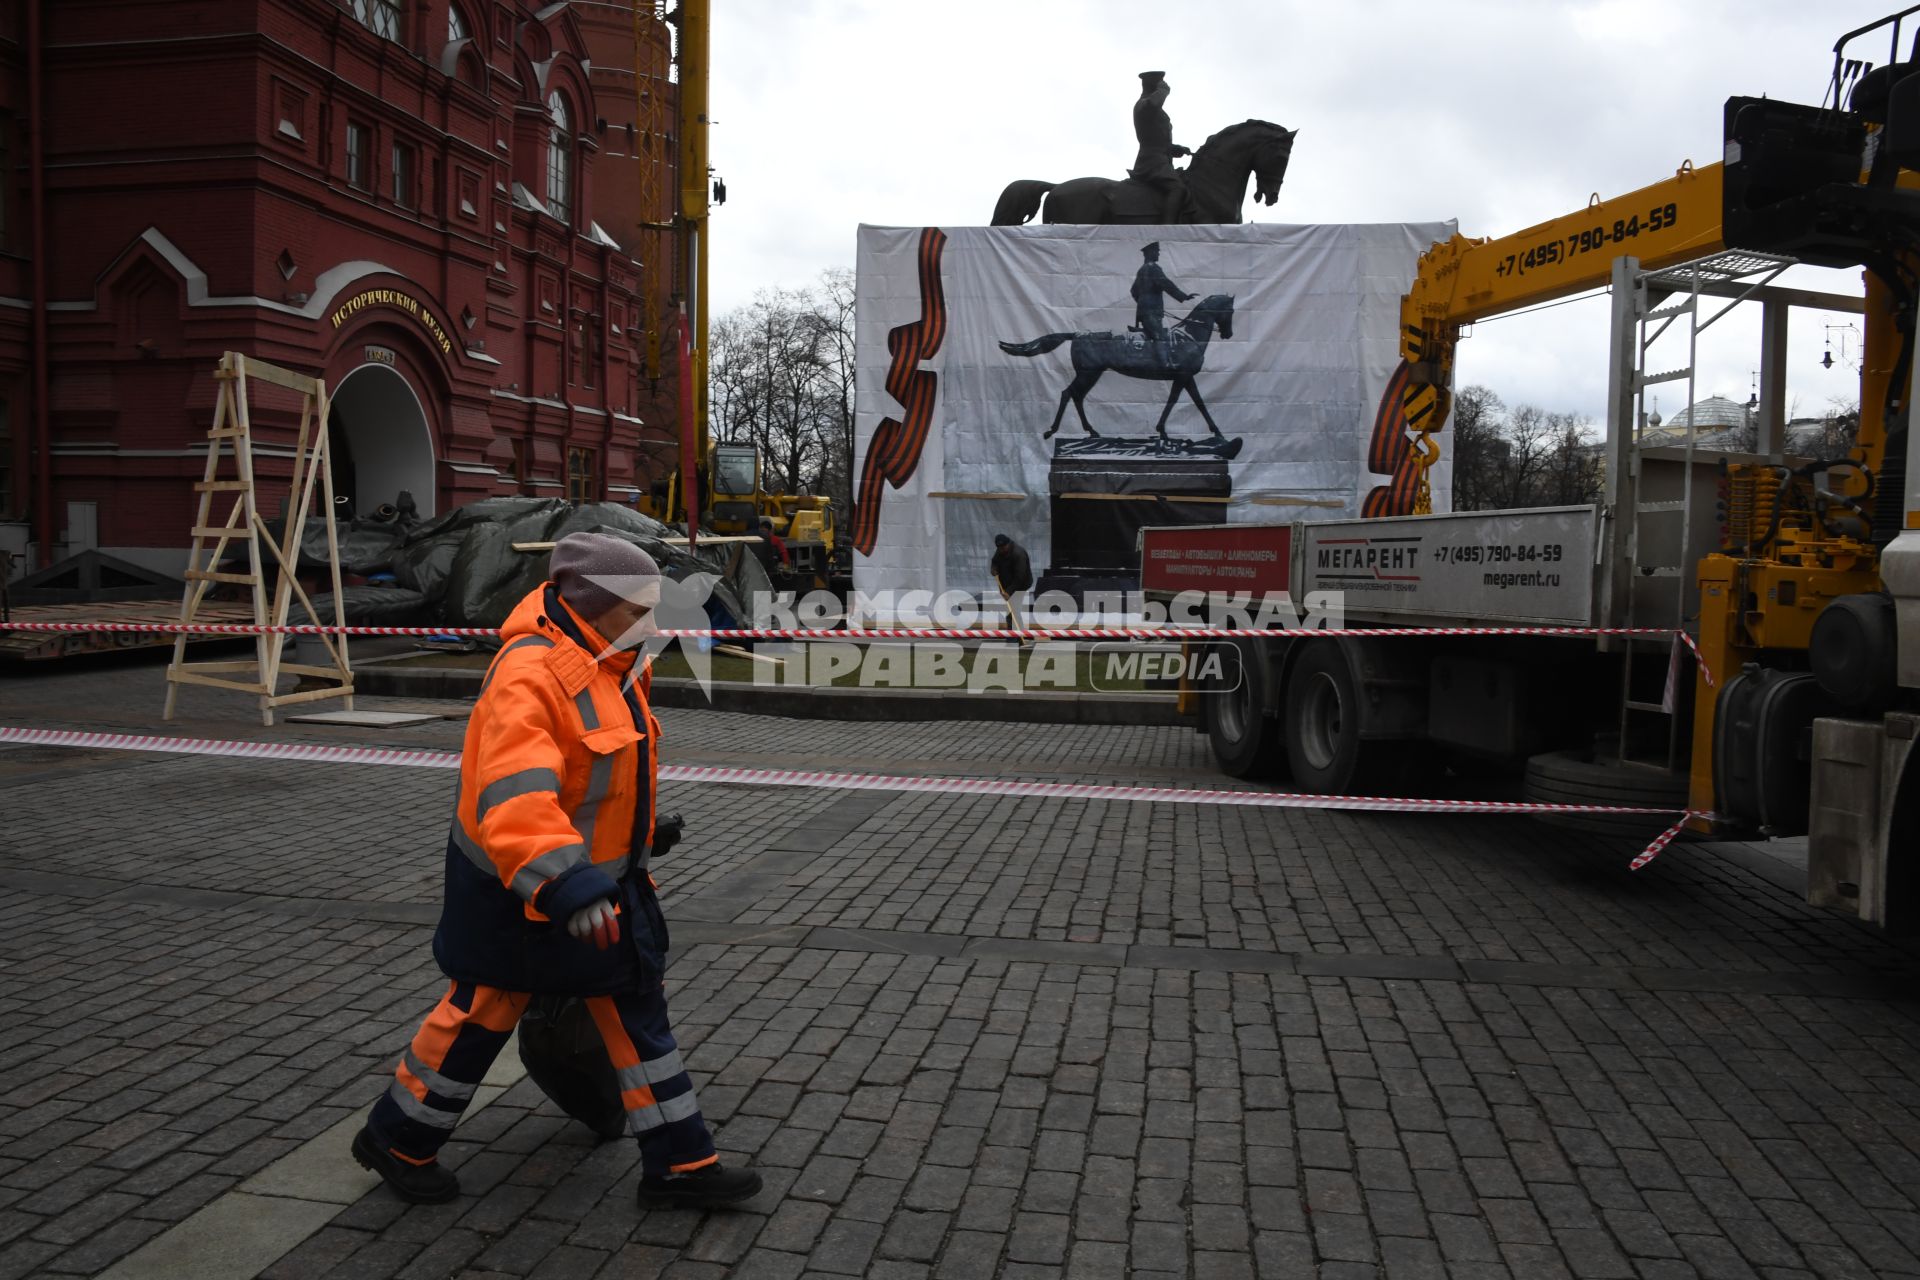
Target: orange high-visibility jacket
[{"x": 559, "y": 770}]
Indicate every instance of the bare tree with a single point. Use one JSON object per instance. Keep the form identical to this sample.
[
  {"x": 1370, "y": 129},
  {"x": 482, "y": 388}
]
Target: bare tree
[
  {"x": 1573, "y": 471},
  {"x": 761, "y": 386},
  {"x": 1839, "y": 430},
  {"x": 1524, "y": 457},
  {"x": 780, "y": 377},
  {"x": 835, "y": 314},
  {"x": 1477, "y": 414}
]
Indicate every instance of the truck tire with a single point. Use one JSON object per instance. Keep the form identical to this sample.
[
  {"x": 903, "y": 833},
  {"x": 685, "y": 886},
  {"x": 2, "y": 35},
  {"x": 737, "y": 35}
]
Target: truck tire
[
  {"x": 1578, "y": 777},
  {"x": 1321, "y": 714},
  {"x": 1246, "y": 741}
]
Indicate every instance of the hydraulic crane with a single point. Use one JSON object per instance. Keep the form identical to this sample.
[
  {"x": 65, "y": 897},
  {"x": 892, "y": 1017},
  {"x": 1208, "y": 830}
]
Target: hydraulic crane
[{"x": 1797, "y": 581}]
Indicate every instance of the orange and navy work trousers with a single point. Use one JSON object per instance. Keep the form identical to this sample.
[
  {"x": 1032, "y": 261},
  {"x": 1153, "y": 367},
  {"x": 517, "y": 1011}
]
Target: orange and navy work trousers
[{"x": 451, "y": 1052}]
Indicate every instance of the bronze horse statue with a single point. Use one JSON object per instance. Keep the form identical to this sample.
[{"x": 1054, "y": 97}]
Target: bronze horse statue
[
  {"x": 1216, "y": 181},
  {"x": 1175, "y": 360}
]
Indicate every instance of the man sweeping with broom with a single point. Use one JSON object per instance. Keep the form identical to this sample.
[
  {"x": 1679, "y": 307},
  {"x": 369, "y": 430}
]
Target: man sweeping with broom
[{"x": 1012, "y": 571}]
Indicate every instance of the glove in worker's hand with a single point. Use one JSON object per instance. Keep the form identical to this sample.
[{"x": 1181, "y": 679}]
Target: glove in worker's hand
[
  {"x": 666, "y": 834},
  {"x": 598, "y": 923}
]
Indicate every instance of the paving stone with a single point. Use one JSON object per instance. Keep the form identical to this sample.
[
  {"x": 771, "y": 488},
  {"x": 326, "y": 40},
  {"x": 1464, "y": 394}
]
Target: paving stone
[
  {"x": 1405, "y": 1259},
  {"x": 942, "y": 1038},
  {"x": 970, "y": 1255},
  {"x": 767, "y": 1264},
  {"x": 845, "y": 1248},
  {"x": 915, "y": 1236}
]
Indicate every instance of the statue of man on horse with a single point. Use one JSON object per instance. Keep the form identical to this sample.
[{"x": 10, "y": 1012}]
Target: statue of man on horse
[
  {"x": 1211, "y": 189},
  {"x": 1149, "y": 282}
]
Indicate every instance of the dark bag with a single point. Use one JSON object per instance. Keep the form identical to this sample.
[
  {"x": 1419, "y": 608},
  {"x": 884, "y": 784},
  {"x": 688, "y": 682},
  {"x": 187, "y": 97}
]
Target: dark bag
[
  {"x": 564, "y": 1055},
  {"x": 561, "y": 1047}
]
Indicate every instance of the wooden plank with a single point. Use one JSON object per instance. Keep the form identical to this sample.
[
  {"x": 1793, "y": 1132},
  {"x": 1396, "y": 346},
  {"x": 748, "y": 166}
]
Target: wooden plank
[
  {"x": 310, "y": 695},
  {"x": 1141, "y": 497},
  {"x": 336, "y": 646},
  {"x": 189, "y": 676},
  {"x": 260, "y": 370},
  {"x": 208, "y": 575},
  {"x": 735, "y": 651},
  {"x": 705, "y": 541},
  {"x": 124, "y": 611},
  {"x": 221, "y": 486}
]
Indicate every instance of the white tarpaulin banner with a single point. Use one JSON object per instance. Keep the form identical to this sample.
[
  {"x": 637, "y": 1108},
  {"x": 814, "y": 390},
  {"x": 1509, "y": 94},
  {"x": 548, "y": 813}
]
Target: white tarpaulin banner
[{"x": 1248, "y": 394}]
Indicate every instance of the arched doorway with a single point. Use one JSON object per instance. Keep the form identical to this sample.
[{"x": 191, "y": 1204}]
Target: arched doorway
[{"x": 380, "y": 442}]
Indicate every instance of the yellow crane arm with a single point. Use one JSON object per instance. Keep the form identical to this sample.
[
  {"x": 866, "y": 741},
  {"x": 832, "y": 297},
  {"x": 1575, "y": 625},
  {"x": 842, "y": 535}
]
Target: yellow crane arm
[{"x": 1462, "y": 280}]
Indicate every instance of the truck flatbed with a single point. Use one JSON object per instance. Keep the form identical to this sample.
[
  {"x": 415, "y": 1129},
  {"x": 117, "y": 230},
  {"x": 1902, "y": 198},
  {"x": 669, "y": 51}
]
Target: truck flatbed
[{"x": 1535, "y": 567}]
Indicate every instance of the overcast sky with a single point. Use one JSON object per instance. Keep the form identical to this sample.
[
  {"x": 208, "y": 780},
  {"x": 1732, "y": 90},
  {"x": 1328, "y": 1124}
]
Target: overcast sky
[{"x": 1497, "y": 114}]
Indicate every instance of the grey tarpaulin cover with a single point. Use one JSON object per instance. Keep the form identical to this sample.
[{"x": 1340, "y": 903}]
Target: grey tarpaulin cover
[{"x": 468, "y": 575}]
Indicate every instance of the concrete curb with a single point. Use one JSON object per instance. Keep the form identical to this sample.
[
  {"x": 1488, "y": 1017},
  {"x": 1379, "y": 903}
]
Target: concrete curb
[{"x": 818, "y": 703}]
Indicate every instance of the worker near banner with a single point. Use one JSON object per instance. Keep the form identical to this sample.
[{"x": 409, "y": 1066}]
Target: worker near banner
[
  {"x": 547, "y": 889},
  {"x": 1012, "y": 572}
]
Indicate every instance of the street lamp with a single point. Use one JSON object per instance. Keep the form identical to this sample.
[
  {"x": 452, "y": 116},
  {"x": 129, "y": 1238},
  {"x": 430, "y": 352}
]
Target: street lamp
[{"x": 1826, "y": 357}]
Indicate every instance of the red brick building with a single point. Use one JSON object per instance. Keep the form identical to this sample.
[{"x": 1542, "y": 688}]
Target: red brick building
[{"x": 437, "y": 205}]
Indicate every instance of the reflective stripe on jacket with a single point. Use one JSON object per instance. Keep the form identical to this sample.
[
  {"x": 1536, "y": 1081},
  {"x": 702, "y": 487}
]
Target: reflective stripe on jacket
[{"x": 557, "y": 786}]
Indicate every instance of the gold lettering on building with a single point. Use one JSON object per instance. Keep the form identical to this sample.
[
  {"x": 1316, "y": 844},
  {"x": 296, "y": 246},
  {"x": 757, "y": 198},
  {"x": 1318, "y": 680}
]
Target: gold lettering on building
[{"x": 404, "y": 302}]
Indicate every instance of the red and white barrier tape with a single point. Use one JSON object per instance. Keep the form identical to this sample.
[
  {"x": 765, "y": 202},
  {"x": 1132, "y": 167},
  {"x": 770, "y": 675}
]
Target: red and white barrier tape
[
  {"x": 869, "y": 633},
  {"x": 320, "y": 753}
]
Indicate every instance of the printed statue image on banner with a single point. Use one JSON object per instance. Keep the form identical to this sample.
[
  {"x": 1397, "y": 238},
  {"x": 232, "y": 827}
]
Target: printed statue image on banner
[{"x": 1070, "y": 385}]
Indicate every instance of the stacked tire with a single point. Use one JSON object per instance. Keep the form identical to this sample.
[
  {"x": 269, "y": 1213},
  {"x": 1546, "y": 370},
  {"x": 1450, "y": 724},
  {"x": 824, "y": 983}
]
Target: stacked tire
[{"x": 1590, "y": 778}]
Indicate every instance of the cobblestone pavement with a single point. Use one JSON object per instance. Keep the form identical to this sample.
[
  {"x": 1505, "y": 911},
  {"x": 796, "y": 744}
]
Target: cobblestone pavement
[{"x": 961, "y": 1036}]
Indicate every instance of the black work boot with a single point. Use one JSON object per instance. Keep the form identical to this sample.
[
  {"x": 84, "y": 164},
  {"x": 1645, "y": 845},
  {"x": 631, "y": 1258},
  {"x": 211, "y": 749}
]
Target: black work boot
[
  {"x": 710, "y": 1188},
  {"x": 419, "y": 1183}
]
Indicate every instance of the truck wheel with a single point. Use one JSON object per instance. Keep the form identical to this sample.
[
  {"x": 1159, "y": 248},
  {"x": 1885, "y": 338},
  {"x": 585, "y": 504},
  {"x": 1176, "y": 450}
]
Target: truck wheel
[
  {"x": 1246, "y": 741},
  {"x": 1577, "y": 777},
  {"x": 1322, "y": 715}
]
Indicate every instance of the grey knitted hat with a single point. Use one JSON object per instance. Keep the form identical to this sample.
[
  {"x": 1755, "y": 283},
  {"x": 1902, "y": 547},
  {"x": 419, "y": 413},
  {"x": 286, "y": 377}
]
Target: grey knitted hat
[{"x": 595, "y": 572}]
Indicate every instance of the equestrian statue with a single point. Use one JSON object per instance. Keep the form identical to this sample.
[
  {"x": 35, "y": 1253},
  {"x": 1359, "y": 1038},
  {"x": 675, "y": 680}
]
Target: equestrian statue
[
  {"x": 1211, "y": 189},
  {"x": 1175, "y": 358}
]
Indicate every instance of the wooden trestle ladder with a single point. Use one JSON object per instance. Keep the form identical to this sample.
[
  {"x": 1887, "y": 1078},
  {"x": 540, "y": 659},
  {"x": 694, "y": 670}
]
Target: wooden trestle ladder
[{"x": 231, "y": 439}]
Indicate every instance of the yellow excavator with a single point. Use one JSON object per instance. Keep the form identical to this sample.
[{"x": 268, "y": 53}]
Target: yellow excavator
[{"x": 732, "y": 500}]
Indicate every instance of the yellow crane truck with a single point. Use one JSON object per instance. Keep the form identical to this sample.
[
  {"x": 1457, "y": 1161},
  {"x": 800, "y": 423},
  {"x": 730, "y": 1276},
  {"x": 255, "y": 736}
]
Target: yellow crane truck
[
  {"x": 1798, "y": 579},
  {"x": 725, "y": 478}
]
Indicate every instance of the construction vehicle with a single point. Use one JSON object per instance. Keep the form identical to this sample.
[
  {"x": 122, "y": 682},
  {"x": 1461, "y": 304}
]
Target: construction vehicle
[
  {"x": 734, "y": 503},
  {"x": 820, "y": 558},
  {"x": 1798, "y": 580}
]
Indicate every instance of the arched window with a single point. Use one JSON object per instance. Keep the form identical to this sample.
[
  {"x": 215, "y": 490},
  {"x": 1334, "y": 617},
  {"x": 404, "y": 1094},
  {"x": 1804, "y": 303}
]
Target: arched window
[
  {"x": 456, "y": 25},
  {"x": 382, "y": 17},
  {"x": 559, "y": 157}
]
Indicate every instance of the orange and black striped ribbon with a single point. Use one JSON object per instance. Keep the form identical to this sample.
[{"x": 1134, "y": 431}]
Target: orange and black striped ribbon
[
  {"x": 894, "y": 452},
  {"x": 1390, "y": 452}
]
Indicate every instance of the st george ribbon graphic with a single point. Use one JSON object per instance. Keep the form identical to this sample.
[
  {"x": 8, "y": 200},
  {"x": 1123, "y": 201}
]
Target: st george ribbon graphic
[
  {"x": 894, "y": 452},
  {"x": 1402, "y": 444}
]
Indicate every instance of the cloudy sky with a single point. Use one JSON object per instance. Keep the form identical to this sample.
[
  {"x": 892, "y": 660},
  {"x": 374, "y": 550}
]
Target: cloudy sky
[{"x": 1497, "y": 113}]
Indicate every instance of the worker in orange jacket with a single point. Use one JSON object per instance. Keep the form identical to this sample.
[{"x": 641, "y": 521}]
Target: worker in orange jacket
[{"x": 547, "y": 889}]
